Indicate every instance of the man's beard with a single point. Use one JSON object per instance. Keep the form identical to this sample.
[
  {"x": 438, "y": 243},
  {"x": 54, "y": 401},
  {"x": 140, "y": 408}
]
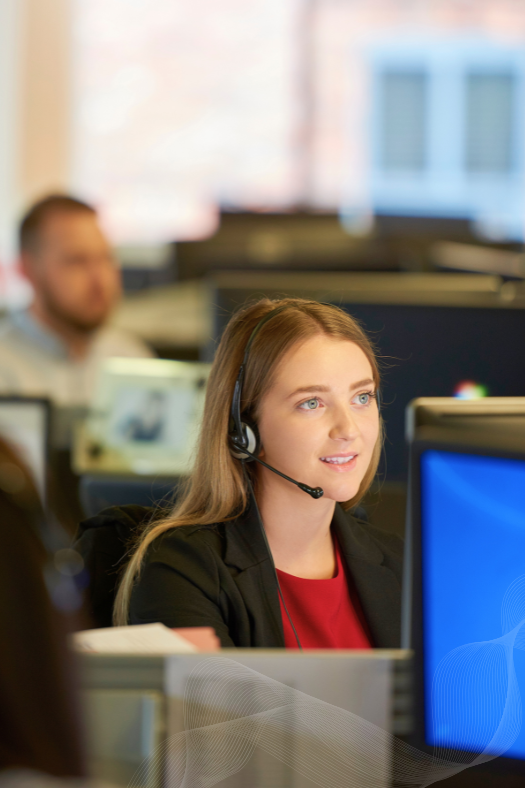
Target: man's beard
[{"x": 75, "y": 322}]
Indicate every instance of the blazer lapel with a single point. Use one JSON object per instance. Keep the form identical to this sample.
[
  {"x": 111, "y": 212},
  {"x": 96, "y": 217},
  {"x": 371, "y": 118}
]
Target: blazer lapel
[
  {"x": 246, "y": 552},
  {"x": 377, "y": 586}
]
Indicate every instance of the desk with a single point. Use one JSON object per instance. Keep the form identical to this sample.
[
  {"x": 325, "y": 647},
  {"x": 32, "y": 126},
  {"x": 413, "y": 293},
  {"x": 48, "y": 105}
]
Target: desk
[{"x": 133, "y": 704}]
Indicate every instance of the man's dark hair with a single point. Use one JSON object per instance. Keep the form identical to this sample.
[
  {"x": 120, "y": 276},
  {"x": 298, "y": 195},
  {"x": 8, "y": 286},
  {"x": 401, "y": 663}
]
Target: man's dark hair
[{"x": 32, "y": 222}]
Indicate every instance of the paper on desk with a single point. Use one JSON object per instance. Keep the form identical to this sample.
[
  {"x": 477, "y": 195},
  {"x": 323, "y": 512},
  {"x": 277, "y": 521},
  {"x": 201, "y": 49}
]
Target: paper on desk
[{"x": 139, "y": 639}]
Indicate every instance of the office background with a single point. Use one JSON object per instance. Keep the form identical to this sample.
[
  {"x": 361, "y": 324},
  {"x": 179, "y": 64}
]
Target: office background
[
  {"x": 301, "y": 137},
  {"x": 369, "y": 153}
]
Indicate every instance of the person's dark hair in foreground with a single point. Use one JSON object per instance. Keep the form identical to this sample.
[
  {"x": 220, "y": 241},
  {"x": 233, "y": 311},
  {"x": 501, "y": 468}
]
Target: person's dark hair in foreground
[{"x": 38, "y": 717}]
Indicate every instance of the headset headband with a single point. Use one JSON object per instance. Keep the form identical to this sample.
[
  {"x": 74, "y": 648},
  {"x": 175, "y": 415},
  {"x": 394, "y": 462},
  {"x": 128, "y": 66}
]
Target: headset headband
[{"x": 237, "y": 434}]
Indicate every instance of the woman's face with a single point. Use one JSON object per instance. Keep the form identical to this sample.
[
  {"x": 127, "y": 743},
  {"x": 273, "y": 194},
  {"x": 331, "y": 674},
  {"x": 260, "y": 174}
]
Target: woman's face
[{"x": 319, "y": 422}]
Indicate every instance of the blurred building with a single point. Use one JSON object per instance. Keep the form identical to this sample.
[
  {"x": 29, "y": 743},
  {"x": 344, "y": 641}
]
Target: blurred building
[{"x": 369, "y": 106}]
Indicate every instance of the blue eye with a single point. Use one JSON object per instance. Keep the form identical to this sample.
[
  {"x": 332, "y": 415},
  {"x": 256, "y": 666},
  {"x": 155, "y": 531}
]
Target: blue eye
[
  {"x": 310, "y": 404},
  {"x": 365, "y": 397}
]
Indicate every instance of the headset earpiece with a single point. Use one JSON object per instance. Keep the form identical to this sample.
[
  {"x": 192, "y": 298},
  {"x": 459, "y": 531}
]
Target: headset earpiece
[
  {"x": 243, "y": 433},
  {"x": 249, "y": 439}
]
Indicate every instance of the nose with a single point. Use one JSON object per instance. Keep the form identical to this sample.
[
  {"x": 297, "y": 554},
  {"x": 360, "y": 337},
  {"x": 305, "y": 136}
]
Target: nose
[
  {"x": 344, "y": 426},
  {"x": 100, "y": 272}
]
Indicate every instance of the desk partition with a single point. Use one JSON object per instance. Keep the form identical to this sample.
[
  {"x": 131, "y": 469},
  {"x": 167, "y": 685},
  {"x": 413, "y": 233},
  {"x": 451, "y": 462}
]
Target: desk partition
[{"x": 245, "y": 717}]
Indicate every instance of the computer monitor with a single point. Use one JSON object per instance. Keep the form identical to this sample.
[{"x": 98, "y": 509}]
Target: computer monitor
[
  {"x": 498, "y": 414},
  {"x": 467, "y": 571},
  {"x": 144, "y": 418},
  {"x": 24, "y": 423}
]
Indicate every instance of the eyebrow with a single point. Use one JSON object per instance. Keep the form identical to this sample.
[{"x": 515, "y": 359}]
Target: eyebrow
[{"x": 316, "y": 388}]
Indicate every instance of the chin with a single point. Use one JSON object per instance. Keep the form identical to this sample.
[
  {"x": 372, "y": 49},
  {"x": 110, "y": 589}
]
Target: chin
[
  {"x": 89, "y": 323},
  {"x": 342, "y": 494},
  {"x": 82, "y": 320}
]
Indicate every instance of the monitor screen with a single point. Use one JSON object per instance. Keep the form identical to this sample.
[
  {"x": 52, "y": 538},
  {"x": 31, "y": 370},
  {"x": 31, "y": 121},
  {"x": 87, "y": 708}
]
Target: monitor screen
[
  {"x": 24, "y": 424},
  {"x": 145, "y": 418},
  {"x": 473, "y": 584}
]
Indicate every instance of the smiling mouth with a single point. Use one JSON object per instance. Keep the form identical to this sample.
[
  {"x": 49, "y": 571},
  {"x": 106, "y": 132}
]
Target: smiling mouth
[{"x": 338, "y": 460}]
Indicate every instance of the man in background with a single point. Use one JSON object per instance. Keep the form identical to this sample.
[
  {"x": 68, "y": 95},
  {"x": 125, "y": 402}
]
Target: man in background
[{"x": 56, "y": 346}]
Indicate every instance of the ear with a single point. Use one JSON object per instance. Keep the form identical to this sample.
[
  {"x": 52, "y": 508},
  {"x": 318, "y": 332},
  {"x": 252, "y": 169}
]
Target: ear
[{"x": 25, "y": 265}]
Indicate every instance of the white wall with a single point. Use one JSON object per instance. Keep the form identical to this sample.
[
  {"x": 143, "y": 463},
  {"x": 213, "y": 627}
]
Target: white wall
[
  {"x": 35, "y": 101},
  {"x": 9, "y": 37},
  {"x": 45, "y": 98}
]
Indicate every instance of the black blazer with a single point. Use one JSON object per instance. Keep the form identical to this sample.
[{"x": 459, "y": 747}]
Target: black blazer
[{"x": 221, "y": 576}]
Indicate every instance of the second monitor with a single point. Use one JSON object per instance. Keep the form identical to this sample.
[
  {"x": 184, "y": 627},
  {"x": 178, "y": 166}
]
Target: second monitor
[
  {"x": 144, "y": 419},
  {"x": 467, "y": 606}
]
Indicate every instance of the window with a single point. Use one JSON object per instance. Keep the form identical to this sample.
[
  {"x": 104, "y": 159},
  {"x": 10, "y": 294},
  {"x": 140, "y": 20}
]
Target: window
[
  {"x": 490, "y": 112},
  {"x": 403, "y": 124},
  {"x": 447, "y": 122}
]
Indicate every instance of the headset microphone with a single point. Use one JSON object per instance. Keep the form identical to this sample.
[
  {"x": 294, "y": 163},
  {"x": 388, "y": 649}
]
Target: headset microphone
[{"x": 315, "y": 492}]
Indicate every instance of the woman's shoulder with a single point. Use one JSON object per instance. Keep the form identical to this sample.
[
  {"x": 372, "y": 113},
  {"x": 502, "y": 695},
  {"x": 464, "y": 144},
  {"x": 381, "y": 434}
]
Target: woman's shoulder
[
  {"x": 105, "y": 539},
  {"x": 373, "y": 544},
  {"x": 194, "y": 536},
  {"x": 387, "y": 541},
  {"x": 126, "y": 519},
  {"x": 121, "y": 518}
]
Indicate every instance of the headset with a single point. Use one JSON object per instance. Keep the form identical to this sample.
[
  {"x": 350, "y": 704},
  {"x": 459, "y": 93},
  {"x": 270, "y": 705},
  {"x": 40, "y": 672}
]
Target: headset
[{"x": 245, "y": 444}]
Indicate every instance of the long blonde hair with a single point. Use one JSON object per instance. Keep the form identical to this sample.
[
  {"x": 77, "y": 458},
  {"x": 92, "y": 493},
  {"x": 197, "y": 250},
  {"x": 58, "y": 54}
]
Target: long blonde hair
[{"x": 216, "y": 491}]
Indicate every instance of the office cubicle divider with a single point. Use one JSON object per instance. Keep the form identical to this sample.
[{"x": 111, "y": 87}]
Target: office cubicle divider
[{"x": 246, "y": 717}]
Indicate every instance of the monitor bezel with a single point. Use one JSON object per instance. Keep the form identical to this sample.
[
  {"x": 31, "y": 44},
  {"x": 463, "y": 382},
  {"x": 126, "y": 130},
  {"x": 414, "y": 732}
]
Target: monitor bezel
[
  {"x": 442, "y": 412},
  {"x": 458, "y": 442}
]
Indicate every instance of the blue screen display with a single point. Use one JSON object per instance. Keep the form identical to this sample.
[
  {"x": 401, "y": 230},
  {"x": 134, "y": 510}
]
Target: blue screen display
[{"x": 473, "y": 542}]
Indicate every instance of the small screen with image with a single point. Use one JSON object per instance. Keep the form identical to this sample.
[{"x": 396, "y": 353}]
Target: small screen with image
[
  {"x": 145, "y": 417},
  {"x": 153, "y": 416},
  {"x": 24, "y": 425}
]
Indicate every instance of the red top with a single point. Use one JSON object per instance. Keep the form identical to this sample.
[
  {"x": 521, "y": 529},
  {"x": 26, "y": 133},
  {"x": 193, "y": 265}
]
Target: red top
[{"x": 325, "y": 613}]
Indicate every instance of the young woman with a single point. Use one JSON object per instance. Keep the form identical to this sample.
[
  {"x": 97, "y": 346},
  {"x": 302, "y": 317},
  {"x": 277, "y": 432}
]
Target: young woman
[{"x": 245, "y": 550}]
